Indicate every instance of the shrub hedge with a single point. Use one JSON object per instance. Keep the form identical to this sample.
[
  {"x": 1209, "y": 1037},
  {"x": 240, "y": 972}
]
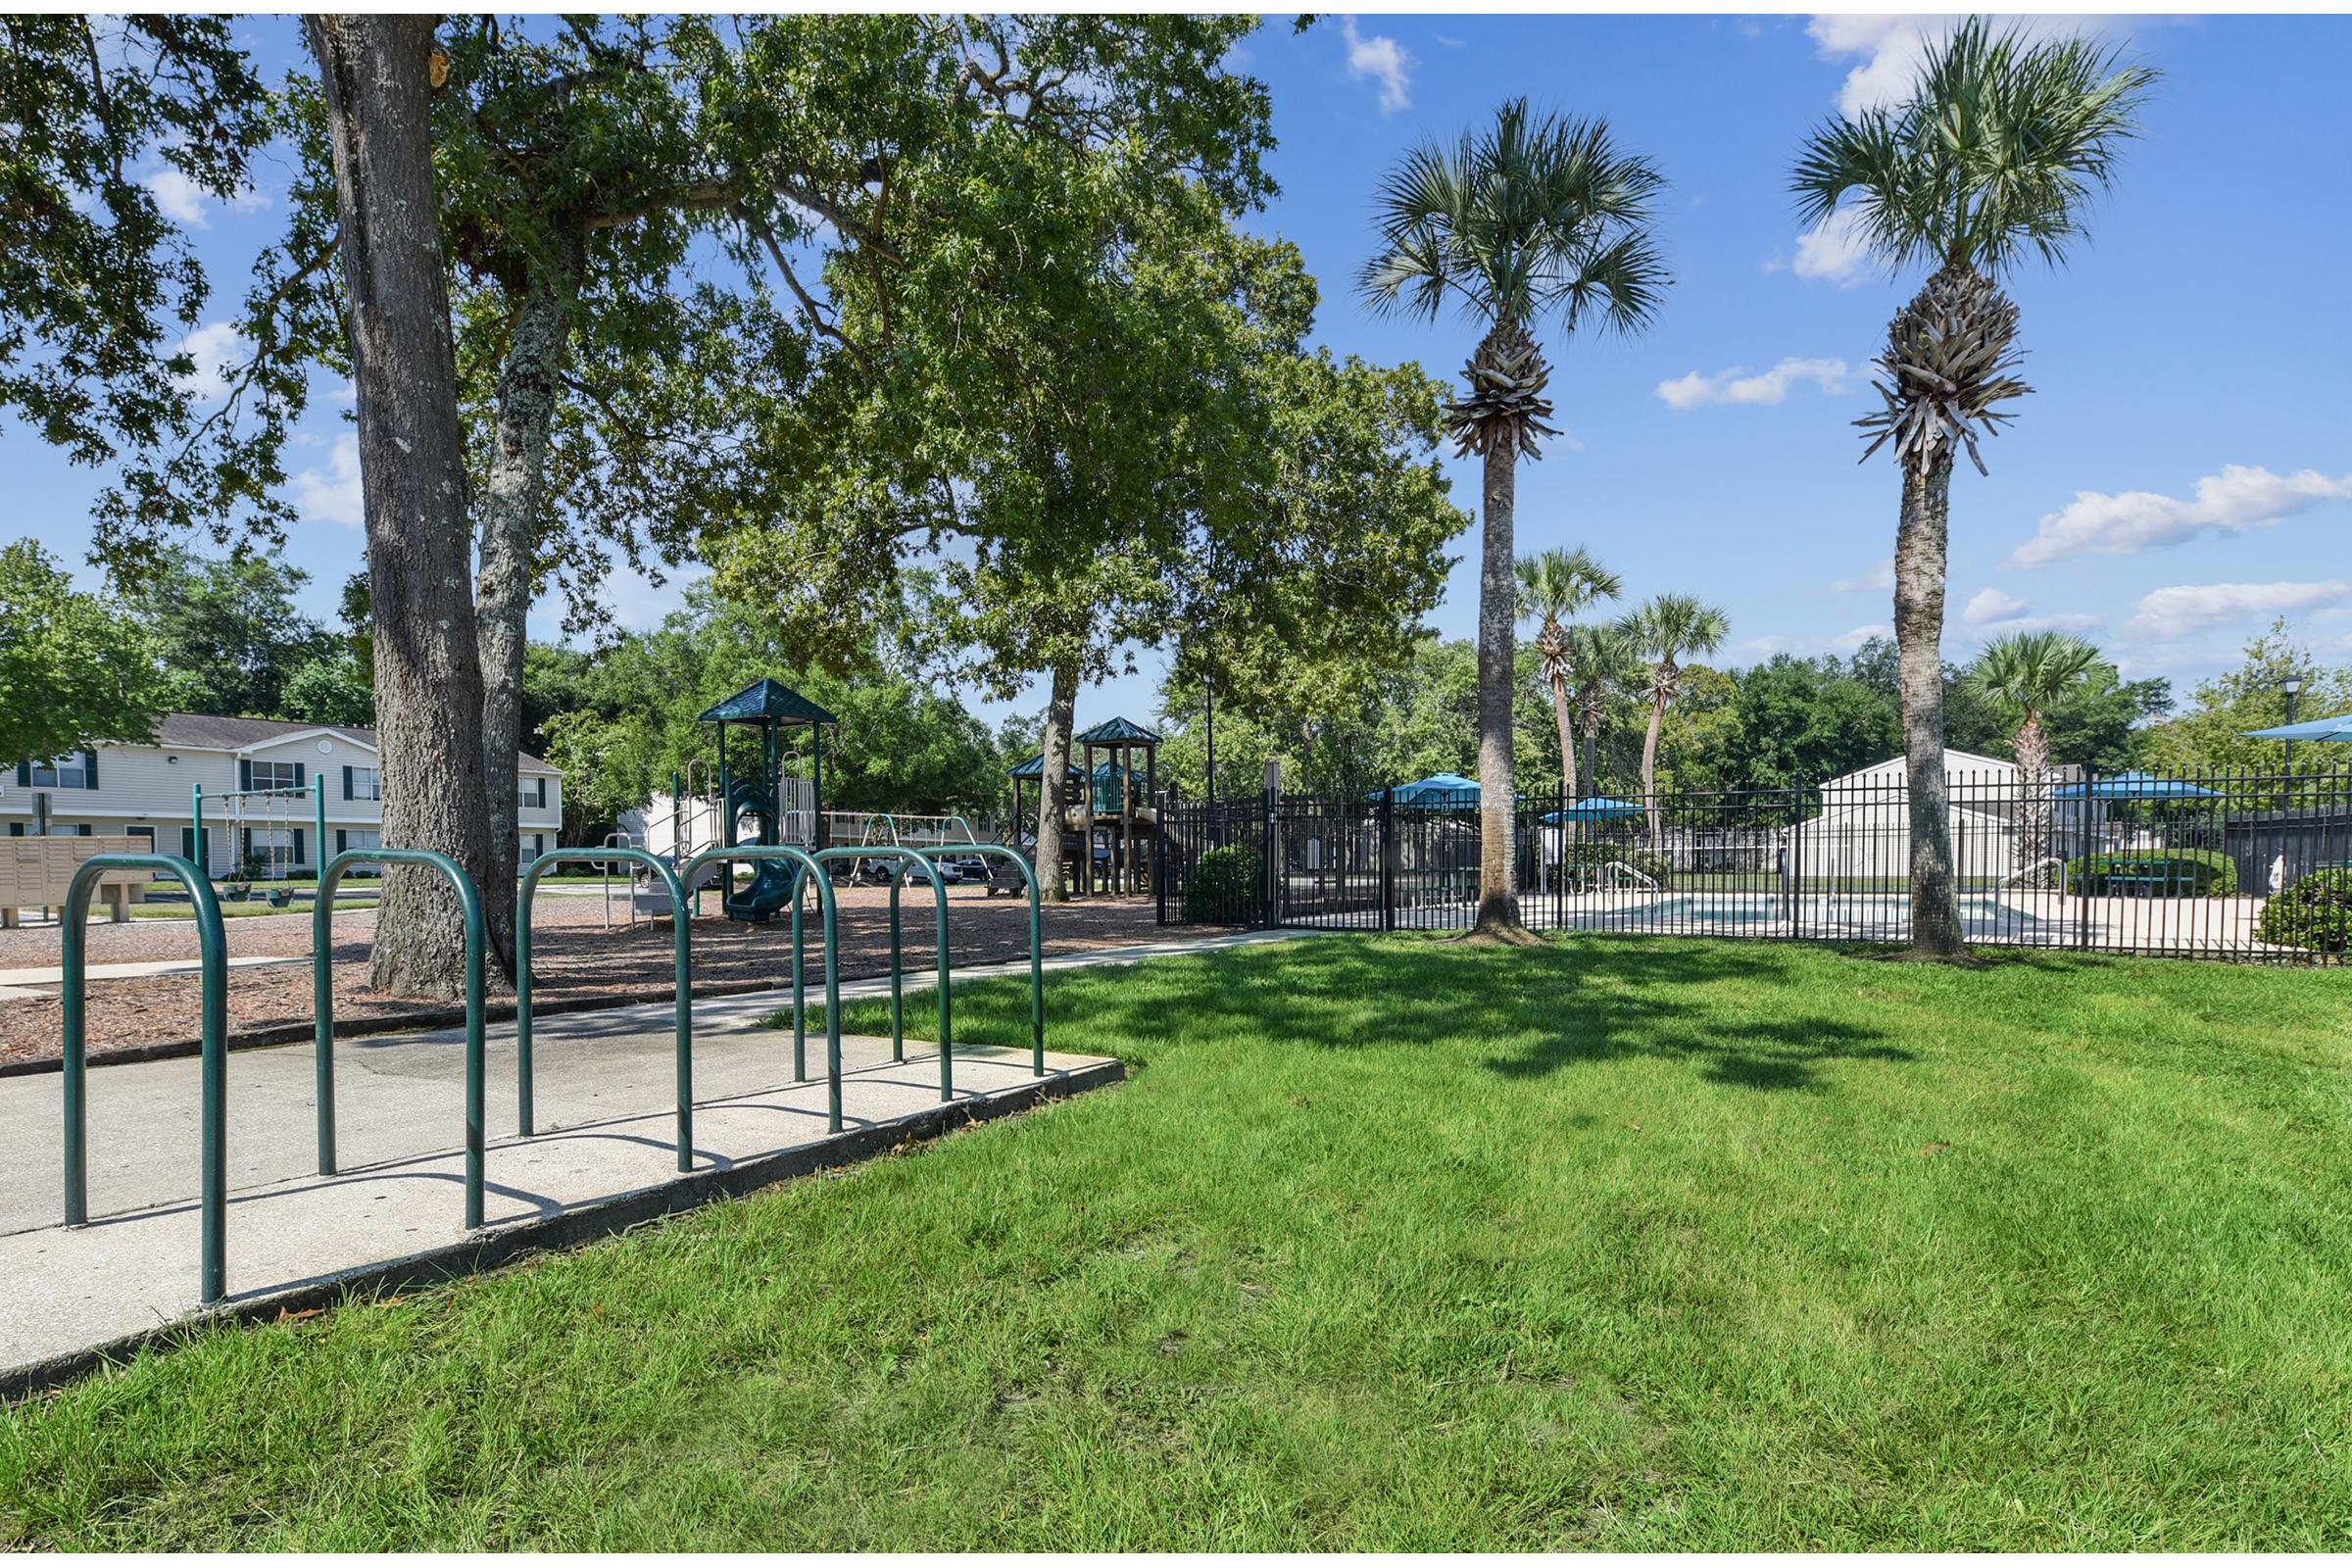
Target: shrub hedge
[
  {"x": 2314, "y": 912},
  {"x": 1225, "y": 887},
  {"x": 2194, "y": 873}
]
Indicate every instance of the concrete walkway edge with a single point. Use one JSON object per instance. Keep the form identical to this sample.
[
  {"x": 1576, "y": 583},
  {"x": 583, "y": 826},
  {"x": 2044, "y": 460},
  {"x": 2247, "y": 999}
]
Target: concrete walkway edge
[{"x": 568, "y": 1228}]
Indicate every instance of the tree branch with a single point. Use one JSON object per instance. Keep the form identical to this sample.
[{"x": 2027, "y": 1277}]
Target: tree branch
[{"x": 816, "y": 319}]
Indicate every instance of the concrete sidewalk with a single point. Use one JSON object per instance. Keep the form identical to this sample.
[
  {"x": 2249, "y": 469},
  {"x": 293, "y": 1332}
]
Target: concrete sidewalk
[{"x": 605, "y": 1156}]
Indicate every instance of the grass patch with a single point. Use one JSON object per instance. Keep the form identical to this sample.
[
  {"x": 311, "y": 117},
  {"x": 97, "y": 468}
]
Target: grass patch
[
  {"x": 242, "y": 908},
  {"x": 1393, "y": 1243}
]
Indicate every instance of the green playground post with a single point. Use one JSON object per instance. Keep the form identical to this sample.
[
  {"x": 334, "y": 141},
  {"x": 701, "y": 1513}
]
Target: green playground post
[
  {"x": 681, "y": 934},
  {"x": 832, "y": 929},
  {"x": 212, "y": 1070},
  {"x": 324, "y": 1005}
]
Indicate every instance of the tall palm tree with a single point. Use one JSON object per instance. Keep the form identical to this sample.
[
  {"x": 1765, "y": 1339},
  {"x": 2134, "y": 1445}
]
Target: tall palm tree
[
  {"x": 1601, "y": 660},
  {"x": 1992, "y": 158},
  {"x": 1553, "y": 586},
  {"x": 1538, "y": 216},
  {"x": 1666, "y": 630},
  {"x": 2027, "y": 672}
]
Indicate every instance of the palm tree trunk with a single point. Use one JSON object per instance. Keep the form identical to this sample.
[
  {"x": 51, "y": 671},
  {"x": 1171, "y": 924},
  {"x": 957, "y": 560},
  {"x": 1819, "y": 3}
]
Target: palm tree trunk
[
  {"x": 1649, "y": 763},
  {"x": 1919, "y": 561},
  {"x": 1498, "y": 604},
  {"x": 2033, "y": 836},
  {"x": 1560, "y": 715},
  {"x": 1592, "y": 720}
]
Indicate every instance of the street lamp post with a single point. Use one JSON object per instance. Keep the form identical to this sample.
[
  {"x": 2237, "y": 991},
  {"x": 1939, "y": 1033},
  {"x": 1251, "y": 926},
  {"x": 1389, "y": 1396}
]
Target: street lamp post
[{"x": 2292, "y": 686}]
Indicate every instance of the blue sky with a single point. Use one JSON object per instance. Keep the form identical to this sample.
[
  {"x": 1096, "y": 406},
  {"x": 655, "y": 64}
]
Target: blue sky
[{"x": 2181, "y": 474}]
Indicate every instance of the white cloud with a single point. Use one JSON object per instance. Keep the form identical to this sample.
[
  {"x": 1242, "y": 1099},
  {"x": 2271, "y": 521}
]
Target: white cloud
[
  {"x": 179, "y": 198},
  {"x": 2171, "y": 613},
  {"x": 1993, "y": 605},
  {"x": 217, "y": 349},
  {"x": 1700, "y": 389},
  {"x": 1845, "y": 641},
  {"x": 2232, "y": 501},
  {"x": 1381, "y": 59},
  {"x": 333, "y": 496},
  {"x": 1834, "y": 252},
  {"x": 1994, "y": 614},
  {"x": 1877, "y": 579},
  {"x": 1889, "y": 49}
]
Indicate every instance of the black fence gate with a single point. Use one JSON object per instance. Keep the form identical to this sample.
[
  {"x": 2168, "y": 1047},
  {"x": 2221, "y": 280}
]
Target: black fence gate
[{"x": 2216, "y": 862}]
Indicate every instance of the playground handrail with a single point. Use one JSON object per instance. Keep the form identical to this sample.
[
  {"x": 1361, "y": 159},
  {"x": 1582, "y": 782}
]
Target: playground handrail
[
  {"x": 213, "y": 946},
  {"x": 322, "y": 978},
  {"x": 682, "y": 935},
  {"x": 832, "y": 927},
  {"x": 909, "y": 856}
]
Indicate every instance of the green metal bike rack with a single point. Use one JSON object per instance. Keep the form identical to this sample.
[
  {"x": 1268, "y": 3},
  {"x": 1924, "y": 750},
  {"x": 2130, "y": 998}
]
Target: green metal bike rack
[
  {"x": 908, "y": 856},
  {"x": 681, "y": 929},
  {"x": 1036, "y": 962},
  {"x": 322, "y": 978},
  {"x": 832, "y": 927},
  {"x": 212, "y": 1072}
]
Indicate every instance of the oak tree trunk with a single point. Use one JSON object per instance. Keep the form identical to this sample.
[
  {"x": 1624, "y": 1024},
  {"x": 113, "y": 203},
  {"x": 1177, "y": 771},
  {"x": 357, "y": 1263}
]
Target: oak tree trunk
[
  {"x": 1919, "y": 564},
  {"x": 1052, "y": 775},
  {"x": 1497, "y": 790},
  {"x": 375, "y": 71},
  {"x": 513, "y": 494}
]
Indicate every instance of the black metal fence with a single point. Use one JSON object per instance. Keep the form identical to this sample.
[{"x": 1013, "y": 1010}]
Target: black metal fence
[{"x": 2213, "y": 864}]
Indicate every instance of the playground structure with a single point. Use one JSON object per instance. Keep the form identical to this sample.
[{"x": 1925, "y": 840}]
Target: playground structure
[
  {"x": 1108, "y": 816},
  {"x": 770, "y": 710},
  {"x": 802, "y": 868}
]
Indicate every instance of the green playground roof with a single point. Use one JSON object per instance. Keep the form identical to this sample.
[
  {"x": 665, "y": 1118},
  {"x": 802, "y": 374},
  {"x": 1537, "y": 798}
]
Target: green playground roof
[
  {"x": 766, "y": 702},
  {"x": 1035, "y": 767},
  {"x": 1117, "y": 731}
]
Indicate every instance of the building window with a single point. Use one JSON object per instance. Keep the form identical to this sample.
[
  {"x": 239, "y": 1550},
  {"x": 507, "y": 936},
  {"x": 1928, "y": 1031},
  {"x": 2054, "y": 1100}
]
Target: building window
[
  {"x": 367, "y": 784},
  {"x": 530, "y": 791},
  {"x": 269, "y": 850},
  {"x": 64, "y": 773},
  {"x": 276, "y": 776}
]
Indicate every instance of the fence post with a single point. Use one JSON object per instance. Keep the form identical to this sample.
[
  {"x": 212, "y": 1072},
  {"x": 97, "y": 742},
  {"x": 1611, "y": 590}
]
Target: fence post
[
  {"x": 1387, "y": 857},
  {"x": 1159, "y": 859},
  {"x": 1272, "y": 840},
  {"x": 2089, "y": 858}
]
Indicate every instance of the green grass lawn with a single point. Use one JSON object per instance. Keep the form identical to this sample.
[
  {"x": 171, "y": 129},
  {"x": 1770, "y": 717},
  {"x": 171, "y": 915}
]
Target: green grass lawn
[
  {"x": 1394, "y": 1242},
  {"x": 242, "y": 908}
]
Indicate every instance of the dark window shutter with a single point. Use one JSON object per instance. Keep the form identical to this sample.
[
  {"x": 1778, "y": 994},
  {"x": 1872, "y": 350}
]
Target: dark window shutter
[
  {"x": 347, "y": 781},
  {"x": 299, "y": 777},
  {"x": 89, "y": 769},
  {"x": 82, "y": 831},
  {"x": 298, "y": 856},
  {"x": 541, "y": 782},
  {"x": 187, "y": 844},
  {"x": 25, "y": 775},
  {"x": 16, "y": 830},
  {"x": 341, "y": 835},
  {"x": 244, "y": 772}
]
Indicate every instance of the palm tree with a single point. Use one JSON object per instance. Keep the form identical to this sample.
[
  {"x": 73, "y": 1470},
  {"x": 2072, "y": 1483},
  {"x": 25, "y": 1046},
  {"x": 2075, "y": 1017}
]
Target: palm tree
[
  {"x": 1540, "y": 217},
  {"x": 1991, "y": 159},
  {"x": 1602, "y": 659},
  {"x": 2027, "y": 672},
  {"x": 1666, "y": 630},
  {"x": 1552, "y": 587}
]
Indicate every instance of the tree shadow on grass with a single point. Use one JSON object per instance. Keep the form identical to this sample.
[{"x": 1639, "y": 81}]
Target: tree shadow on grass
[{"x": 1560, "y": 1006}]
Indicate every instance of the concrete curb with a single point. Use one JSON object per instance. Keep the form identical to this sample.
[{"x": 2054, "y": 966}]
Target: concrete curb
[
  {"x": 571, "y": 1228},
  {"x": 504, "y": 1012}
]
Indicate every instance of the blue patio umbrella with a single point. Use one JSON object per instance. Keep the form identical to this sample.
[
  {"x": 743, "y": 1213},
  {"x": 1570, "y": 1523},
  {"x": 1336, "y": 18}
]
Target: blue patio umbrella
[
  {"x": 2136, "y": 787},
  {"x": 1595, "y": 808},
  {"x": 1437, "y": 790},
  {"x": 2338, "y": 728}
]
